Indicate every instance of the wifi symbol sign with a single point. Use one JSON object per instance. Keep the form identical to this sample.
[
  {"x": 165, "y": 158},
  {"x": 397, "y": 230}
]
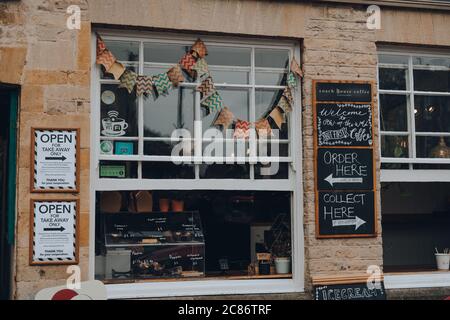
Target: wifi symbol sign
[{"x": 113, "y": 114}]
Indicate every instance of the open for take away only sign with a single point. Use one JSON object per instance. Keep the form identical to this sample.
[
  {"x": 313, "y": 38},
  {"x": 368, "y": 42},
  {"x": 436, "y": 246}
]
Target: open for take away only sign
[
  {"x": 54, "y": 160},
  {"x": 54, "y": 229}
]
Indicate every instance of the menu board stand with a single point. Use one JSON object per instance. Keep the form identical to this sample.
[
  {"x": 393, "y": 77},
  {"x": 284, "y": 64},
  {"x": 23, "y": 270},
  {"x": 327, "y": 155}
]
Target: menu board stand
[{"x": 345, "y": 185}]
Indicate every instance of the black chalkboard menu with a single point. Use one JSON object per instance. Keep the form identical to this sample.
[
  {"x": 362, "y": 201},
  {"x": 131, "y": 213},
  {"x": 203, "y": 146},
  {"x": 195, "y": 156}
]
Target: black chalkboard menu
[
  {"x": 344, "y": 124},
  {"x": 354, "y": 291},
  {"x": 344, "y": 159}
]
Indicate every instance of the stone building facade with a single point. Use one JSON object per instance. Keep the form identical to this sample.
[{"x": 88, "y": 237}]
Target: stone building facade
[{"x": 51, "y": 67}]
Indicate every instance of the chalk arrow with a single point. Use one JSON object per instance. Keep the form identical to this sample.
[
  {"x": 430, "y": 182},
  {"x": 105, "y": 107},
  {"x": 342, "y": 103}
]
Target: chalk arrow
[
  {"x": 332, "y": 180},
  {"x": 62, "y": 158},
  {"x": 55, "y": 229},
  {"x": 357, "y": 222}
]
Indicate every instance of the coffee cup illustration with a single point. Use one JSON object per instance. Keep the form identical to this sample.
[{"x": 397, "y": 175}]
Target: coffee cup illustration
[{"x": 113, "y": 125}]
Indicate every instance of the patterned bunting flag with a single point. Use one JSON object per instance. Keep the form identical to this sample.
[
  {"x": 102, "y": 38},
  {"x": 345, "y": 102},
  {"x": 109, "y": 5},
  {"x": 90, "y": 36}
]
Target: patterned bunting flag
[
  {"x": 162, "y": 83},
  {"x": 291, "y": 80},
  {"x": 201, "y": 68},
  {"x": 263, "y": 128},
  {"x": 284, "y": 105},
  {"x": 213, "y": 102},
  {"x": 287, "y": 93},
  {"x": 106, "y": 58},
  {"x": 144, "y": 85},
  {"x": 199, "y": 49},
  {"x": 206, "y": 88},
  {"x": 225, "y": 118},
  {"x": 295, "y": 68},
  {"x": 117, "y": 70},
  {"x": 101, "y": 46},
  {"x": 241, "y": 130},
  {"x": 128, "y": 80},
  {"x": 187, "y": 62},
  {"x": 175, "y": 75},
  {"x": 277, "y": 117}
]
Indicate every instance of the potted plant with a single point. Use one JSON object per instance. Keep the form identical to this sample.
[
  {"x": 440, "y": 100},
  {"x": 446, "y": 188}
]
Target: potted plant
[
  {"x": 443, "y": 259},
  {"x": 281, "y": 244}
]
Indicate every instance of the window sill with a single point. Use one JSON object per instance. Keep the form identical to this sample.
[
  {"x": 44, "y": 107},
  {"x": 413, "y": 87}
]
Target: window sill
[
  {"x": 411, "y": 280},
  {"x": 201, "y": 288}
]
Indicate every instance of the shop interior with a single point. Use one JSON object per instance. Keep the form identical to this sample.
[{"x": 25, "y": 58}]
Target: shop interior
[
  {"x": 416, "y": 225},
  {"x": 175, "y": 235}
]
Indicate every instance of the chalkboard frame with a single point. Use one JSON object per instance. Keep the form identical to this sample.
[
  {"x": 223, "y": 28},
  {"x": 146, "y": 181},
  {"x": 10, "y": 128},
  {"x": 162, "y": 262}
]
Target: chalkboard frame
[
  {"x": 316, "y": 147},
  {"x": 77, "y": 220}
]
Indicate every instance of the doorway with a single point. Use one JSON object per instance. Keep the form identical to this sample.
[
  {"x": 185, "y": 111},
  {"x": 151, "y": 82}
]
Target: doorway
[{"x": 8, "y": 134}]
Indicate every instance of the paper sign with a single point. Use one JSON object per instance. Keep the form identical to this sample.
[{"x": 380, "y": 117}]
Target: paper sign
[
  {"x": 55, "y": 160},
  {"x": 112, "y": 171},
  {"x": 54, "y": 232}
]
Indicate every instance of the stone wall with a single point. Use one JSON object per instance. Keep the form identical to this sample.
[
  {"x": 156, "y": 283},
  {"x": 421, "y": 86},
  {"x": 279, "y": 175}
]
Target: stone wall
[{"x": 52, "y": 66}]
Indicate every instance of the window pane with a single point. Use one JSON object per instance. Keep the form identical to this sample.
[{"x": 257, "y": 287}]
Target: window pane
[
  {"x": 394, "y": 146},
  {"x": 118, "y": 169},
  {"x": 265, "y": 102},
  {"x": 431, "y": 74},
  {"x": 237, "y": 100},
  {"x": 164, "y": 148},
  {"x": 432, "y": 113},
  {"x": 124, "y": 50},
  {"x": 118, "y": 112},
  {"x": 167, "y": 170},
  {"x": 227, "y": 56},
  {"x": 433, "y": 147},
  {"x": 271, "y": 58},
  {"x": 271, "y": 78},
  {"x": 167, "y": 113},
  {"x": 229, "y": 76},
  {"x": 394, "y": 112},
  {"x": 225, "y": 171},
  {"x": 164, "y": 53},
  {"x": 393, "y": 72},
  {"x": 272, "y": 171}
]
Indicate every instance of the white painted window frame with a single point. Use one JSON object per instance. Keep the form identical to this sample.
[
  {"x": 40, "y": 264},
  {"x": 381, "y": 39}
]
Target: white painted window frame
[
  {"x": 293, "y": 184},
  {"x": 411, "y": 175}
]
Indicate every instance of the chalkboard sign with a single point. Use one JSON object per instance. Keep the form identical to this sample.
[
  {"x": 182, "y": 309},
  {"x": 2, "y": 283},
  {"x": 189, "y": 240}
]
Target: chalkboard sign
[
  {"x": 344, "y": 91},
  {"x": 354, "y": 291},
  {"x": 346, "y": 213},
  {"x": 344, "y": 169},
  {"x": 344, "y": 124}
]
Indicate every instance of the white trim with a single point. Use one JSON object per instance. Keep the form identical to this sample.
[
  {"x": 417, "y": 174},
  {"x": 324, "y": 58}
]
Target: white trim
[
  {"x": 200, "y": 288},
  {"x": 293, "y": 184},
  {"x": 417, "y": 280}
]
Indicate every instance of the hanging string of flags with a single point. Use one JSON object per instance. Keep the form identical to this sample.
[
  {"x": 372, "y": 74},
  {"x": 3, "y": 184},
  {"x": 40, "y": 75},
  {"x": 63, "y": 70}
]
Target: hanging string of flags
[{"x": 193, "y": 64}]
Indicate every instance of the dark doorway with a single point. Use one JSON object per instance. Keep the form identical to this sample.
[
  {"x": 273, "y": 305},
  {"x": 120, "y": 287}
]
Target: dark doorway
[{"x": 8, "y": 124}]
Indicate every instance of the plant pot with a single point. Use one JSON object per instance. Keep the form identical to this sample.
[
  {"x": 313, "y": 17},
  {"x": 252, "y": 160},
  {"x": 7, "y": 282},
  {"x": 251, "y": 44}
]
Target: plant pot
[
  {"x": 164, "y": 205},
  {"x": 283, "y": 265},
  {"x": 442, "y": 261},
  {"x": 177, "y": 205}
]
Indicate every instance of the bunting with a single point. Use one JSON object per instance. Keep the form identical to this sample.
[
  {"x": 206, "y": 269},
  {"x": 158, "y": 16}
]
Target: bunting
[{"x": 195, "y": 65}]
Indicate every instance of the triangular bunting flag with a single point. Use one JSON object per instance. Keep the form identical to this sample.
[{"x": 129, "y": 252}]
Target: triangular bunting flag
[
  {"x": 128, "y": 80},
  {"x": 284, "y": 105},
  {"x": 106, "y": 58},
  {"x": 295, "y": 68},
  {"x": 201, "y": 68},
  {"x": 199, "y": 49},
  {"x": 225, "y": 118},
  {"x": 101, "y": 46},
  {"x": 144, "y": 85},
  {"x": 162, "y": 83},
  {"x": 214, "y": 102},
  {"x": 175, "y": 75},
  {"x": 291, "y": 80},
  {"x": 277, "y": 117},
  {"x": 287, "y": 93},
  {"x": 117, "y": 70},
  {"x": 187, "y": 62},
  {"x": 241, "y": 130},
  {"x": 263, "y": 128},
  {"x": 206, "y": 88}
]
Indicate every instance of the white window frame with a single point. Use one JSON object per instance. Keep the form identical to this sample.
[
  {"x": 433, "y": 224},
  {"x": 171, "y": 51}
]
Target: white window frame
[
  {"x": 411, "y": 175},
  {"x": 293, "y": 184}
]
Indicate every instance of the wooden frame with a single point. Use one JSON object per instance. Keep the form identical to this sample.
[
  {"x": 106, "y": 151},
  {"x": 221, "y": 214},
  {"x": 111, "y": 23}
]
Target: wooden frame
[
  {"x": 373, "y": 148},
  {"x": 76, "y": 234},
  {"x": 77, "y": 161}
]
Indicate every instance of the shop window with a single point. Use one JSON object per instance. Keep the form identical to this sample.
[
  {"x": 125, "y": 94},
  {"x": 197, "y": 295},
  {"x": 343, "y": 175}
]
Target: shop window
[
  {"x": 223, "y": 215},
  {"x": 414, "y": 100},
  {"x": 415, "y": 223}
]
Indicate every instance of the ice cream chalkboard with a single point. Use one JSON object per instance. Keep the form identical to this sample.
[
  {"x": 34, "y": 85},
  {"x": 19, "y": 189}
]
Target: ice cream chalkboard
[
  {"x": 354, "y": 291},
  {"x": 344, "y": 155}
]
